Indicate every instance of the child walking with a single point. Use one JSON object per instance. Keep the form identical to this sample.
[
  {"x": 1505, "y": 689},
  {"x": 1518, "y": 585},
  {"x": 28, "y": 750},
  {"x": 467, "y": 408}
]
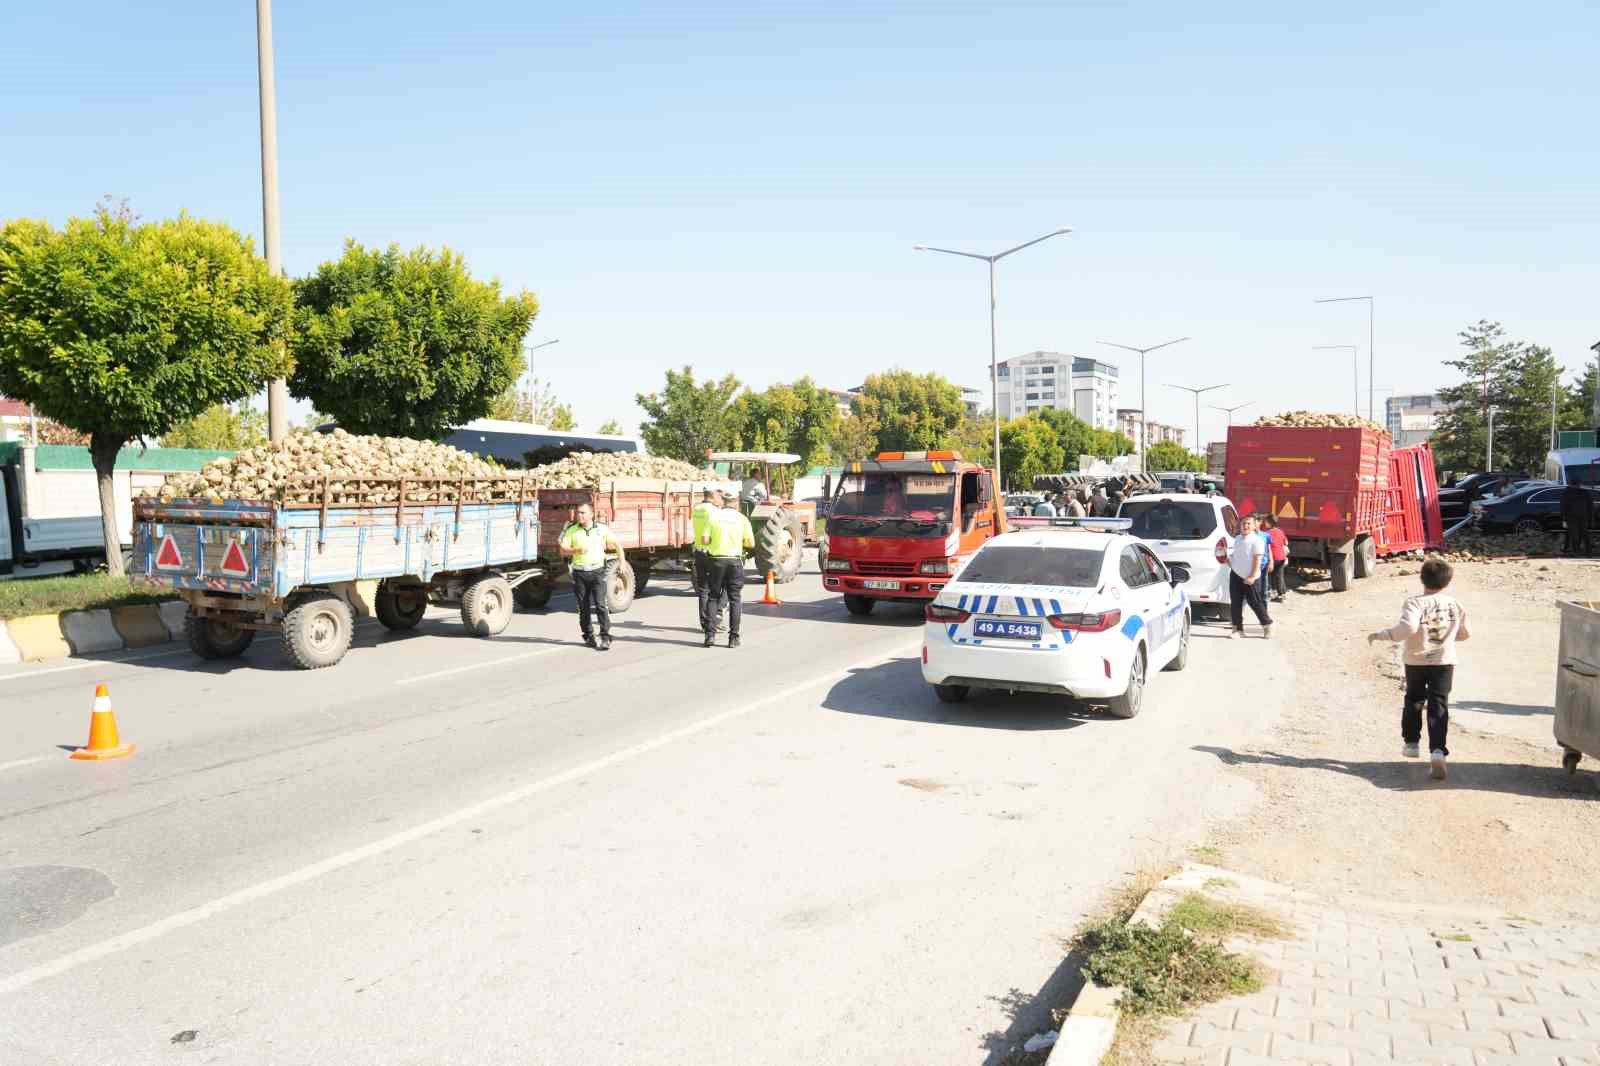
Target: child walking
[{"x": 1430, "y": 625}]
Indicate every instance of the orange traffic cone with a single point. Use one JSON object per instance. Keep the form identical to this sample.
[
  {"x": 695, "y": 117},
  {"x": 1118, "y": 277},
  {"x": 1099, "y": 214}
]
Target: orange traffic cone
[
  {"x": 103, "y": 740},
  {"x": 771, "y": 595}
]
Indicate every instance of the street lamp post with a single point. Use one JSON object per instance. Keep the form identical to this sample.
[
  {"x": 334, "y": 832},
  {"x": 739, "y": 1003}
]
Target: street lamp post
[
  {"x": 1488, "y": 452},
  {"x": 1371, "y": 356},
  {"x": 278, "y": 388},
  {"x": 1355, "y": 368},
  {"x": 531, "y": 378},
  {"x": 1197, "y": 393},
  {"x": 994, "y": 363},
  {"x": 1144, "y": 421},
  {"x": 1230, "y": 410}
]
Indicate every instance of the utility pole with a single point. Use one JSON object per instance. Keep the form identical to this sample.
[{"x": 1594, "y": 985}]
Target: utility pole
[
  {"x": 1372, "y": 365},
  {"x": 1197, "y": 393},
  {"x": 1488, "y": 452},
  {"x": 278, "y": 388},
  {"x": 1144, "y": 421}
]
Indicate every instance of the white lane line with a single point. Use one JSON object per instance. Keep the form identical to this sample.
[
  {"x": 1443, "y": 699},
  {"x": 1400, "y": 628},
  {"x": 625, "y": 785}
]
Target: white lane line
[
  {"x": 193, "y": 916},
  {"x": 13, "y": 764},
  {"x": 479, "y": 666},
  {"x": 106, "y": 663}
]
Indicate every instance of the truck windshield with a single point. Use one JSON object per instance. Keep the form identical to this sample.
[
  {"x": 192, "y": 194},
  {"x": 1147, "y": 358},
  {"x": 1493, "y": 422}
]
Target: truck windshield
[
  {"x": 1584, "y": 474},
  {"x": 893, "y": 505}
]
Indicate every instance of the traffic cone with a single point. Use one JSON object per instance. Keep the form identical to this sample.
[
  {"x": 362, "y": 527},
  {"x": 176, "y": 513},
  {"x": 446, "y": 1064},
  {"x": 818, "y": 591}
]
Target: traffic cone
[
  {"x": 103, "y": 740},
  {"x": 771, "y": 595}
]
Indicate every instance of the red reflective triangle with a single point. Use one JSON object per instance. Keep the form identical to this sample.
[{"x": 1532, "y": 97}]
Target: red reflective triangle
[
  {"x": 168, "y": 557},
  {"x": 233, "y": 560}
]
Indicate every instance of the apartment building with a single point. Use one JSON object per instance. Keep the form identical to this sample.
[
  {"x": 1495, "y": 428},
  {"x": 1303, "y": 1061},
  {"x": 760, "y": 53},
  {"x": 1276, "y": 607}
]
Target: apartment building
[
  {"x": 1044, "y": 380},
  {"x": 1160, "y": 432},
  {"x": 1412, "y": 419}
]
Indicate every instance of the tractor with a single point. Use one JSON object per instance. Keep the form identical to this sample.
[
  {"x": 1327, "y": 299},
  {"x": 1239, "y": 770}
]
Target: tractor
[{"x": 782, "y": 525}]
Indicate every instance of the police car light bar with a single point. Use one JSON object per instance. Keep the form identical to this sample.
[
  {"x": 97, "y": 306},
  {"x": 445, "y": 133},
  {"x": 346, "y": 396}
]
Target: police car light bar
[{"x": 1104, "y": 525}]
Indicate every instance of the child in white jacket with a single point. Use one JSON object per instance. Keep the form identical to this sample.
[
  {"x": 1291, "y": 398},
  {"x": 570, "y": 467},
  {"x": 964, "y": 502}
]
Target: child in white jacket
[{"x": 1430, "y": 625}]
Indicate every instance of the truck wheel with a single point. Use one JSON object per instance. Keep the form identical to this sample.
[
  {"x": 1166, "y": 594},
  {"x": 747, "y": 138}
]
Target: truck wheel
[
  {"x": 951, "y": 693},
  {"x": 486, "y": 606},
  {"x": 859, "y": 604},
  {"x": 1127, "y": 705},
  {"x": 621, "y": 587},
  {"x": 1181, "y": 659},
  {"x": 779, "y": 544},
  {"x": 1570, "y": 759},
  {"x": 641, "y": 578},
  {"x": 401, "y": 608},
  {"x": 317, "y": 630},
  {"x": 1339, "y": 567},
  {"x": 1366, "y": 557},
  {"x": 533, "y": 593},
  {"x": 214, "y": 638}
]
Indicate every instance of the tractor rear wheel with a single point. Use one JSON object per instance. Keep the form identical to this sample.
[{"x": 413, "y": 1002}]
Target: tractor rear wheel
[{"x": 778, "y": 545}]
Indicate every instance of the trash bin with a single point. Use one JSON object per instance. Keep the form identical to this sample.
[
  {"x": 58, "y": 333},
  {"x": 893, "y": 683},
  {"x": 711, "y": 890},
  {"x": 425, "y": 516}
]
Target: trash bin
[{"x": 1577, "y": 725}]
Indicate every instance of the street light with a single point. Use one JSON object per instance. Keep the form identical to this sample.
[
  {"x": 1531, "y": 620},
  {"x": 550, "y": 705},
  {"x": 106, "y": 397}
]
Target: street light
[
  {"x": 1355, "y": 367},
  {"x": 531, "y": 378},
  {"x": 994, "y": 364},
  {"x": 1144, "y": 422},
  {"x": 1230, "y": 410},
  {"x": 278, "y": 388},
  {"x": 1371, "y": 358},
  {"x": 1488, "y": 456},
  {"x": 1197, "y": 392}
]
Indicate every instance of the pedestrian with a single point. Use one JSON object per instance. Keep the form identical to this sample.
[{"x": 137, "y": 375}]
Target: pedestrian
[
  {"x": 587, "y": 543},
  {"x": 1246, "y": 581},
  {"x": 1577, "y": 511},
  {"x": 1044, "y": 508},
  {"x": 1075, "y": 506},
  {"x": 1429, "y": 626},
  {"x": 727, "y": 540},
  {"x": 1102, "y": 502},
  {"x": 700, "y": 521},
  {"x": 1278, "y": 545}
]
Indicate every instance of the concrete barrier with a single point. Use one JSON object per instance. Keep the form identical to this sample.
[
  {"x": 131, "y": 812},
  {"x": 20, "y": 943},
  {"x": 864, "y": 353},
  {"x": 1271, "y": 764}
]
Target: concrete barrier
[
  {"x": 88, "y": 632},
  {"x": 8, "y": 648},
  {"x": 140, "y": 625},
  {"x": 38, "y": 636},
  {"x": 173, "y": 613}
]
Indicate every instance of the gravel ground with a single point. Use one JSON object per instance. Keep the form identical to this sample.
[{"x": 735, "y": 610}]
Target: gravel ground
[{"x": 1342, "y": 812}]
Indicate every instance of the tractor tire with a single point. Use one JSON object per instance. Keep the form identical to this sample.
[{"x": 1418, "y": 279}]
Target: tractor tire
[
  {"x": 533, "y": 594},
  {"x": 1128, "y": 704},
  {"x": 1339, "y": 567},
  {"x": 317, "y": 630},
  {"x": 641, "y": 579},
  {"x": 213, "y": 638},
  {"x": 779, "y": 546},
  {"x": 401, "y": 608},
  {"x": 621, "y": 587},
  {"x": 487, "y": 605},
  {"x": 1366, "y": 557},
  {"x": 861, "y": 605}
]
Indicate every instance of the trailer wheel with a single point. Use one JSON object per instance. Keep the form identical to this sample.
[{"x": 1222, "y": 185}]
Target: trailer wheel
[
  {"x": 533, "y": 593},
  {"x": 486, "y": 606},
  {"x": 216, "y": 638},
  {"x": 1339, "y": 566},
  {"x": 620, "y": 587},
  {"x": 1366, "y": 557},
  {"x": 641, "y": 578},
  {"x": 317, "y": 630},
  {"x": 1570, "y": 760},
  {"x": 401, "y": 608}
]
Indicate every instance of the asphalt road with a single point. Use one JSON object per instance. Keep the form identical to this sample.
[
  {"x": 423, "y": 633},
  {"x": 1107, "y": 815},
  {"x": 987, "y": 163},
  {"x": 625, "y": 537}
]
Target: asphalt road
[{"x": 451, "y": 850}]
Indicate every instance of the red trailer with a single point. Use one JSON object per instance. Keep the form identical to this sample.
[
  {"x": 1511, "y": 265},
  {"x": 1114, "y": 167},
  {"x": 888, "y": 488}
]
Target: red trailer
[{"x": 1343, "y": 496}]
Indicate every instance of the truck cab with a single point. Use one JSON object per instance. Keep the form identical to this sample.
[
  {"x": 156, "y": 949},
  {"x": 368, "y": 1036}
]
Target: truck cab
[{"x": 900, "y": 526}]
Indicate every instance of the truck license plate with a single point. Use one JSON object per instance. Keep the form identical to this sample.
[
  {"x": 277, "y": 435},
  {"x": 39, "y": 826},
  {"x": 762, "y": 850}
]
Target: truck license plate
[
  {"x": 880, "y": 583},
  {"x": 999, "y": 627}
]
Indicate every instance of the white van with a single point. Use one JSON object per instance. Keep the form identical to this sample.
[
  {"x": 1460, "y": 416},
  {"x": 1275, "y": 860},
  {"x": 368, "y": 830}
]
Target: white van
[{"x": 1579, "y": 466}]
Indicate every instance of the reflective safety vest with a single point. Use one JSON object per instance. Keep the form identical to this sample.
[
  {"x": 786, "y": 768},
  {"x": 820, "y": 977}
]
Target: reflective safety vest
[
  {"x": 589, "y": 545},
  {"x": 701, "y": 518},
  {"x": 731, "y": 534}
]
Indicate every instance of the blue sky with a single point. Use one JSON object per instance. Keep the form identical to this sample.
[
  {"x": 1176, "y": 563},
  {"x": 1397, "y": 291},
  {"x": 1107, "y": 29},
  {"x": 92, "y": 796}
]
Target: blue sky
[{"x": 739, "y": 187}]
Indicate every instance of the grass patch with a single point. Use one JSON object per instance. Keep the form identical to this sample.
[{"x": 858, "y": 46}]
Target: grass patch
[
  {"x": 75, "y": 592},
  {"x": 1207, "y": 917},
  {"x": 1460, "y": 938},
  {"x": 1165, "y": 971},
  {"x": 1214, "y": 883},
  {"x": 1207, "y": 852}
]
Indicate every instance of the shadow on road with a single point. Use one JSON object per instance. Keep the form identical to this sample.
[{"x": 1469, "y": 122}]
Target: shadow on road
[
  {"x": 1034, "y": 1013},
  {"x": 895, "y": 689},
  {"x": 1491, "y": 707},
  {"x": 1518, "y": 779}
]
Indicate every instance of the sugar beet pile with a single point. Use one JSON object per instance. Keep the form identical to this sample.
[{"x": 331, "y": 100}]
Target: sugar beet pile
[{"x": 1318, "y": 420}]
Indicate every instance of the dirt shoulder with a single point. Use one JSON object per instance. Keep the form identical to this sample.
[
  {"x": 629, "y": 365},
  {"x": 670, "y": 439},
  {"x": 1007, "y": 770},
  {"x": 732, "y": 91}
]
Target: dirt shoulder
[{"x": 1342, "y": 812}]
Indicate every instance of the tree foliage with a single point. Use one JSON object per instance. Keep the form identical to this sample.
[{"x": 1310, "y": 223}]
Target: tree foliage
[
  {"x": 685, "y": 420},
  {"x": 610, "y": 427},
  {"x": 974, "y": 439},
  {"x": 1080, "y": 438},
  {"x": 1519, "y": 379},
  {"x": 405, "y": 344},
  {"x": 121, "y": 329},
  {"x": 220, "y": 427},
  {"x": 799, "y": 418},
  {"x": 1028, "y": 447},
  {"x": 855, "y": 436},
  {"x": 536, "y": 404},
  {"x": 1170, "y": 455},
  {"x": 913, "y": 412}
]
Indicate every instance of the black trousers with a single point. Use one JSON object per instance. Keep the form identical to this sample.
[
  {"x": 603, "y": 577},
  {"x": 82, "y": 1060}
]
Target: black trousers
[
  {"x": 1577, "y": 538},
  {"x": 702, "y": 591},
  {"x": 1427, "y": 687},
  {"x": 593, "y": 602},
  {"x": 726, "y": 583},
  {"x": 1239, "y": 594},
  {"x": 1280, "y": 577}
]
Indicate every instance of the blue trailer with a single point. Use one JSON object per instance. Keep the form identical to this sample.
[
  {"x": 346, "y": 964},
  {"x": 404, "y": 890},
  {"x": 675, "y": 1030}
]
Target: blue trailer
[{"x": 310, "y": 568}]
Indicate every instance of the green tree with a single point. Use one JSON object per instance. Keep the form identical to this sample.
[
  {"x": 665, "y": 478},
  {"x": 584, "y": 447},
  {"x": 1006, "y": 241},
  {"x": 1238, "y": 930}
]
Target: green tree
[
  {"x": 1170, "y": 455},
  {"x": 1517, "y": 378},
  {"x": 120, "y": 330},
  {"x": 974, "y": 439},
  {"x": 405, "y": 344},
  {"x": 538, "y": 405},
  {"x": 1577, "y": 401},
  {"x": 611, "y": 427},
  {"x": 685, "y": 420},
  {"x": 1028, "y": 447},
  {"x": 221, "y": 427},
  {"x": 914, "y": 412},
  {"x": 799, "y": 418},
  {"x": 855, "y": 436}
]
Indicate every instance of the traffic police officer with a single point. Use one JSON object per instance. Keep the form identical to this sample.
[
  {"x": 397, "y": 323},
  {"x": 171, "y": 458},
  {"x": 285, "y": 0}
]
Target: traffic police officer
[
  {"x": 701, "y": 517},
  {"x": 586, "y": 543},
  {"x": 728, "y": 538}
]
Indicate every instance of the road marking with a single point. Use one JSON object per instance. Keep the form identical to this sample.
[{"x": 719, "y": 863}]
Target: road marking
[
  {"x": 13, "y": 764},
  {"x": 95, "y": 662},
  {"x": 195, "y": 915},
  {"x": 478, "y": 666}
]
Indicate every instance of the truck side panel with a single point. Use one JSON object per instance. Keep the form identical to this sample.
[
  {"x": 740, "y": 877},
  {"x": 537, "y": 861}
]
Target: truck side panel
[{"x": 1321, "y": 483}]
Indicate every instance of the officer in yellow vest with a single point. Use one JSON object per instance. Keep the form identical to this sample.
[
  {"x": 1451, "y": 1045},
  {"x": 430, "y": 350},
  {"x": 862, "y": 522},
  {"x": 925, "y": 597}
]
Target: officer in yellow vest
[
  {"x": 710, "y": 503},
  {"x": 726, "y": 541},
  {"x": 587, "y": 542}
]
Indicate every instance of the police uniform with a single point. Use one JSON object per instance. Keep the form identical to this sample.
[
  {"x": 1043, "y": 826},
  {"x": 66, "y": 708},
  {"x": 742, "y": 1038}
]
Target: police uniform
[
  {"x": 730, "y": 536},
  {"x": 701, "y": 518},
  {"x": 590, "y": 571}
]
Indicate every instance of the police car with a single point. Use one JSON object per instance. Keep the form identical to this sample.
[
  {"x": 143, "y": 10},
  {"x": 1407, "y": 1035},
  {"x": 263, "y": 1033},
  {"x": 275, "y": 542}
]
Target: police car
[{"x": 1078, "y": 607}]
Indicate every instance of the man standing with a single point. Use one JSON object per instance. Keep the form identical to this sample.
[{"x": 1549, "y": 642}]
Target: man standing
[
  {"x": 1044, "y": 508},
  {"x": 1102, "y": 502},
  {"x": 701, "y": 517},
  {"x": 586, "y": 543},
  {"x": 1074, "y": 508},
  {"x": 726, "y": 542},
  {"x": 1576, "y": 514},
  {"x": 1246, "y": 582}
]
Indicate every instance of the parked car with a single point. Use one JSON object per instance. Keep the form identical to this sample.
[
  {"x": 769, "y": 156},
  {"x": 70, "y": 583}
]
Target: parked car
[
  {"x": 1536, "y": 509},
  {"x": 1455, "y": 502},
  {"x": 1194, "y": 530},
  {"x": 1076, "y": 611}
]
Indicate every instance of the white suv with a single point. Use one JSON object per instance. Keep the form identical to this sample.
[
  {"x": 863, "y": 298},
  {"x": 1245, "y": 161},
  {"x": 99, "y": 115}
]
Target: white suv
[{"x": 1193, "y": 530}]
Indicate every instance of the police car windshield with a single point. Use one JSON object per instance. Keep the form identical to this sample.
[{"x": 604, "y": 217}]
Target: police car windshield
[
  {"x": 1017, "y": 565},
  {"x": 897, "y": 505},
  {"x": 1170, "y": 519}
]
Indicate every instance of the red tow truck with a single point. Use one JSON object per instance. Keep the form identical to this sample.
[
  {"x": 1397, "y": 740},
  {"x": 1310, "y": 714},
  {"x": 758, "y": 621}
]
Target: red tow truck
[{"x": 900, "y": 525}]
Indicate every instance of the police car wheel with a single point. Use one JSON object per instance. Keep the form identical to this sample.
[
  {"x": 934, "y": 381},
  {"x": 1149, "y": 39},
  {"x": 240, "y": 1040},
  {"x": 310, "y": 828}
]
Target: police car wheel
[
  {"x": 1181, "y": 659},
  {"x": 1127, "y": 705}
]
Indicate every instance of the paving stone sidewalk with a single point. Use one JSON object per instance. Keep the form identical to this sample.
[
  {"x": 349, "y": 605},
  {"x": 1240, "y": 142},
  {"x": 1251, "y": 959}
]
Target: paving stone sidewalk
[{"x": 1367, "y": 983}]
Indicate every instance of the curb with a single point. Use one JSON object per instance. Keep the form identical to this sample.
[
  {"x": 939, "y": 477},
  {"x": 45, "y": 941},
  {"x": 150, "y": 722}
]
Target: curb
[{"x": 43, "y": 637}]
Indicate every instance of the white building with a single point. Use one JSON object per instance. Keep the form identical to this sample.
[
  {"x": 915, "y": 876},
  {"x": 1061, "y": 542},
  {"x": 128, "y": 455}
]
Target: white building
[
  {"x": 1412, "y": 419},
  {"x": 1160, "y": 432},
  {"x": 1043, "y": 380}
]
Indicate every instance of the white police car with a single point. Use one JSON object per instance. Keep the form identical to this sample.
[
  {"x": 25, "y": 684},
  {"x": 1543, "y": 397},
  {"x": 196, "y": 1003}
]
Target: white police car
[{"x": 1079, "y": 608}]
